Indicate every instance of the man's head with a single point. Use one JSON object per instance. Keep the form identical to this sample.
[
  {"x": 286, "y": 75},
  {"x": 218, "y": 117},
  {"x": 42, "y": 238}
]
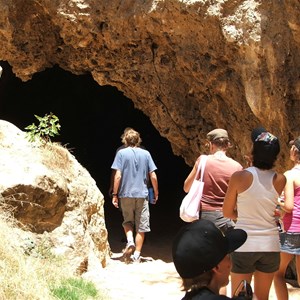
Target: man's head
[
  {"x": 131, "y": 138},
  {"x": 124, "y": 132},
  {"x": 200, "y": 246},
  {"x": 217, "y": 134},
  {"x": 265, "y": 150},
  {"x": 219, "y": 139}
]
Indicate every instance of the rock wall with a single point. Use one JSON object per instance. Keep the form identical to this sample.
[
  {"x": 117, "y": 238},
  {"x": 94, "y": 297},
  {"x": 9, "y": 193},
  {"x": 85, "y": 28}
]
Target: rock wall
[
  {"x": 189, "y": 65},
  {"x": 55, "y": 198}
]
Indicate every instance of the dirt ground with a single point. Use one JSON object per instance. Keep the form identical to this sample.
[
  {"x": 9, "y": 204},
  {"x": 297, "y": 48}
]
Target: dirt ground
[{"x": 156, "y": 277}]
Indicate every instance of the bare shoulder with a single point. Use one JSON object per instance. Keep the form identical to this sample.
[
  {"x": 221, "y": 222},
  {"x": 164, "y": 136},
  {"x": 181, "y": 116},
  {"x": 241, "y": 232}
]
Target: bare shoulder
[
  {"x": 281, "y": 177},
  {"x": 279, "y": 182},
  {"x": 241, "y": 180},
  {"x": 241, "y": 174}
]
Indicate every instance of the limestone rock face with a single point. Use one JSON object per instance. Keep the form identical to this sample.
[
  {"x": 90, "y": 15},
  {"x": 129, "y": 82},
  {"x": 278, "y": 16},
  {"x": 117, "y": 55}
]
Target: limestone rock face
[
  {"x": 54, "y": 197},
  {"x": 189, "y": 65}
]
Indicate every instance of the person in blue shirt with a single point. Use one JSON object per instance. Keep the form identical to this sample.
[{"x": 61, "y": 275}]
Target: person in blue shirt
[{"x": 134, "y": 167}]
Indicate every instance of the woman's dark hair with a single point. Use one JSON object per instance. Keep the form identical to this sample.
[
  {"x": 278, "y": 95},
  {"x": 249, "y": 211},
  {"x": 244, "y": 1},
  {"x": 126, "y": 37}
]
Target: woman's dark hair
[
  {"x": 263, "y": 165},
  {"x": 265, "y": 154}
]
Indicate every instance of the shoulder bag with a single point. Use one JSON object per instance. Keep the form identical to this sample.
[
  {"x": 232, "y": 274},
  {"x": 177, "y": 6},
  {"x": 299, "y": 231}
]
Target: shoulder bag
[{"x": 190, "y": 205}]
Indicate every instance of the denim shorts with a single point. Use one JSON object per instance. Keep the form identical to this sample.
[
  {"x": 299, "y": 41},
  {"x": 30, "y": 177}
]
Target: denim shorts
[
  {"x": 249, "y": 262},
  {"x": 290, "y": 242},
  {"x": 136, "y": 213}
]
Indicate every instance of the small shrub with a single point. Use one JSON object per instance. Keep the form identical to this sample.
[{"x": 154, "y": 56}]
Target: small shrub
[
  {"x": 48, "y": 127},
  {"x": 75, "y": 289}
]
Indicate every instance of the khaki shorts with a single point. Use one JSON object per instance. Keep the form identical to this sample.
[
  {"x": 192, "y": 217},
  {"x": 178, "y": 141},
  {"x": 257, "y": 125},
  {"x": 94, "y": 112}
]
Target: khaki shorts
[
  {"x": 216, "y": 216},
  {"x": 136, "y": 213},
  {"x": 249, "y": 262}
]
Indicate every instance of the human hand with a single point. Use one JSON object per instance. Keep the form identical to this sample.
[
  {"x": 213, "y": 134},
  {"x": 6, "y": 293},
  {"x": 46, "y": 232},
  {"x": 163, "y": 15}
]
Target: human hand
[
  {"x": 115, "y": 202},
  {"x": 154, "y": 200},
  {"x": 277, "y": 211}
]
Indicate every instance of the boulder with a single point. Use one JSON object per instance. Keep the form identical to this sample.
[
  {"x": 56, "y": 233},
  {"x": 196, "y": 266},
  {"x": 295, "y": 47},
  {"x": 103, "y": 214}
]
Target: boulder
[{"x": 54, "y": 198}]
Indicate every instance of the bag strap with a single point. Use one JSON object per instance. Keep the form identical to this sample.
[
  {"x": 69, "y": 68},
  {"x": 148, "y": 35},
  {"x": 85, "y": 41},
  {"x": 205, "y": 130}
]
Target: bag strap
[{"x": 201, "y": 166}]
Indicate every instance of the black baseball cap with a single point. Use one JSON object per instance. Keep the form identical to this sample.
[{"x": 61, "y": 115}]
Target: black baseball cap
[
  {"x": 266, "y": 147},
  {"x": 199, "y": 246},
  {"x": 256, "y": 132}
]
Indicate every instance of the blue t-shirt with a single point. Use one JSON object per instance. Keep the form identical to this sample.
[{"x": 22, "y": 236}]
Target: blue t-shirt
[{"x": 135, "y": 165}]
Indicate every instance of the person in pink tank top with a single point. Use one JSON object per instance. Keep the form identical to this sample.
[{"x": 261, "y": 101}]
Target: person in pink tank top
[{"x": 290, "y": 239}]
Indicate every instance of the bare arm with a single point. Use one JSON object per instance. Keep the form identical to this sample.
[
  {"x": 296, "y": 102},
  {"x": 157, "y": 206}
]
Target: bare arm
[
  {"x": 288, "y": 203},
  {"x": 154, "y": 182},
  {"x": 189, "y": 180},
  {"x": 229, "y": 204},
  {"x": 116, "y": 185},
  {"x": 279, "y": 182}
]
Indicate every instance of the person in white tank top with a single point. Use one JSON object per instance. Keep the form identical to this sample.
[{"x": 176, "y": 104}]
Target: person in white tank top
[{"x": 251, "y": 201}]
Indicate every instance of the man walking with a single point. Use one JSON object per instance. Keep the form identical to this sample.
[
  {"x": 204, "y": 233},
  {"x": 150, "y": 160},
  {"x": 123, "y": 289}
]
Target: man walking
[{"x": 134, "y": 167}]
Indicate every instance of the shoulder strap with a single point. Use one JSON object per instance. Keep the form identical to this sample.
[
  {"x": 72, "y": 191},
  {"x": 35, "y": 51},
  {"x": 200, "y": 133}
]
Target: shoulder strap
[
  {"x": 201, "y": 166},
  {"x": 252, "y": 170}
]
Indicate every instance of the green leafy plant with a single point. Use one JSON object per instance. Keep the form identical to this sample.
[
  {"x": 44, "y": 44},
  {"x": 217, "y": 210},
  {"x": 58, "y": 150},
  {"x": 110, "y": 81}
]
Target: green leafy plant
[
  {"x": 48, "y": 127},
  {"x": 75, "y": 289}
]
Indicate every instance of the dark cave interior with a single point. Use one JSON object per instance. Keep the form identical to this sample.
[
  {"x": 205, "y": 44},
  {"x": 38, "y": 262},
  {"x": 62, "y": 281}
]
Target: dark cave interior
[{"x": 92, "y": 119}]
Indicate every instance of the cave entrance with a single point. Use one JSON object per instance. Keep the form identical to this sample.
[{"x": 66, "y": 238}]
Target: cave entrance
[{"x": 92, "y": 119}]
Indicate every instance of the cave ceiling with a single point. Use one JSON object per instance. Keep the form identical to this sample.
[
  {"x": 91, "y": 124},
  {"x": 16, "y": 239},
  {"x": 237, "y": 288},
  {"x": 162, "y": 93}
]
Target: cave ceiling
[{"x": 189, "y": 65}]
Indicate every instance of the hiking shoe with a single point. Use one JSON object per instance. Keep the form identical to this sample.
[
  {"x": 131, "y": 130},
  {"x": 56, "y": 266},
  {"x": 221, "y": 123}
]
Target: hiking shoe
[
  {"x": 135, "y": 260},
  {"x": 128, "y": 251}
]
